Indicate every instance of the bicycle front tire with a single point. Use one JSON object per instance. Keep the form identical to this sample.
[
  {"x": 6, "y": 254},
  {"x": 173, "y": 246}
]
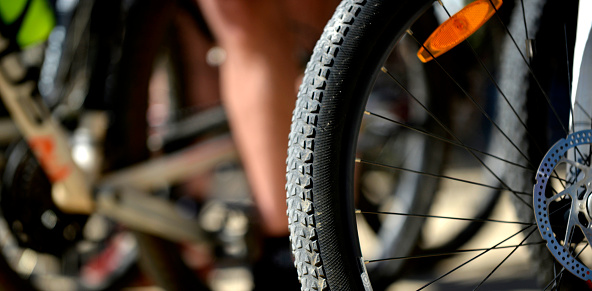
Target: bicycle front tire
[{"x": 323, "y": 139}]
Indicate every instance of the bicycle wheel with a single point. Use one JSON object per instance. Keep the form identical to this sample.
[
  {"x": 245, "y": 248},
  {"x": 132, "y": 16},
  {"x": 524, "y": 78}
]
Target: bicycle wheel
[{"x": 492, "y": 148}]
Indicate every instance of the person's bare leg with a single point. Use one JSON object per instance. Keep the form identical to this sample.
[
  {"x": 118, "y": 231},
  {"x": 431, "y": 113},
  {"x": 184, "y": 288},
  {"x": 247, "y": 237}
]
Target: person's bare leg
[{"x": 257, "y": 87}]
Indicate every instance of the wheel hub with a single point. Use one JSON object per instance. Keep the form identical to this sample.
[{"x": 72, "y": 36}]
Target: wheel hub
[
  {"x": 563, "y": 206},
  {"x": 589, "y": 205}
]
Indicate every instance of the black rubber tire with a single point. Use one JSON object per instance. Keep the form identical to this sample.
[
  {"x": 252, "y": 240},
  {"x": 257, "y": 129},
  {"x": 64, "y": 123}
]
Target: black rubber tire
[{"x": 322, "y": 141}]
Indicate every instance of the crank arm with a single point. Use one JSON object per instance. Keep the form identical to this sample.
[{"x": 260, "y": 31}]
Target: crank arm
[
  {"x": 143, "y": 212},
  {"x": 133, "y": 205}
]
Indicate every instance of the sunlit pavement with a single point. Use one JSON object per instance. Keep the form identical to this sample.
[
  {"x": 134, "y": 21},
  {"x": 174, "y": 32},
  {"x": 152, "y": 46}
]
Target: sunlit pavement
[{"x": 513, "y": 274}]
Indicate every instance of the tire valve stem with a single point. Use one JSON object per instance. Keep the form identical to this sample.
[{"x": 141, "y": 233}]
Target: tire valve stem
[{"x": 530, "y": 48}]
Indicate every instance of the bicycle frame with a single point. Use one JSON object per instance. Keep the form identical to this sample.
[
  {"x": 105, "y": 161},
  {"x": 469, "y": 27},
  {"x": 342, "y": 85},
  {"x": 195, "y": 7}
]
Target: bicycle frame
[{"x": 48, "y": 141}]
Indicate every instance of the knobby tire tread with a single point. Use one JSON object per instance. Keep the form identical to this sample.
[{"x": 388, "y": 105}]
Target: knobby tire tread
[
  {"x": 325, "y": 256},
  {"x": 301, "y": 211}
]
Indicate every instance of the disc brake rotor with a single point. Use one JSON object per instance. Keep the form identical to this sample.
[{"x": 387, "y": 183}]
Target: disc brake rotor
[{"x": 563, "y": 201}]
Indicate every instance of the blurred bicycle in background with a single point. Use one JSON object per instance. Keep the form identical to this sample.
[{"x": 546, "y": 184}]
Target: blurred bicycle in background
[{"x": 107, "y": 159}]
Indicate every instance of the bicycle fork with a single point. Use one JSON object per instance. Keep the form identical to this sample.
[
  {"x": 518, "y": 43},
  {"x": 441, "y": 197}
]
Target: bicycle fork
[
  {"x": 582, "y": 70},
  {"x": 581, "y": 101}
]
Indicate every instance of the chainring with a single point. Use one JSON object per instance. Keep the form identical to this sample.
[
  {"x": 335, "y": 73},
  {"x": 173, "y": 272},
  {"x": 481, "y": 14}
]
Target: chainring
[{"x": 26, "y": 205}]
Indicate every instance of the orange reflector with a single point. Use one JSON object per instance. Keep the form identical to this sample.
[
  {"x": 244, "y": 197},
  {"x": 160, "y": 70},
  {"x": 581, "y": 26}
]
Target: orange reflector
[{"x": 457, "y": 28}]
